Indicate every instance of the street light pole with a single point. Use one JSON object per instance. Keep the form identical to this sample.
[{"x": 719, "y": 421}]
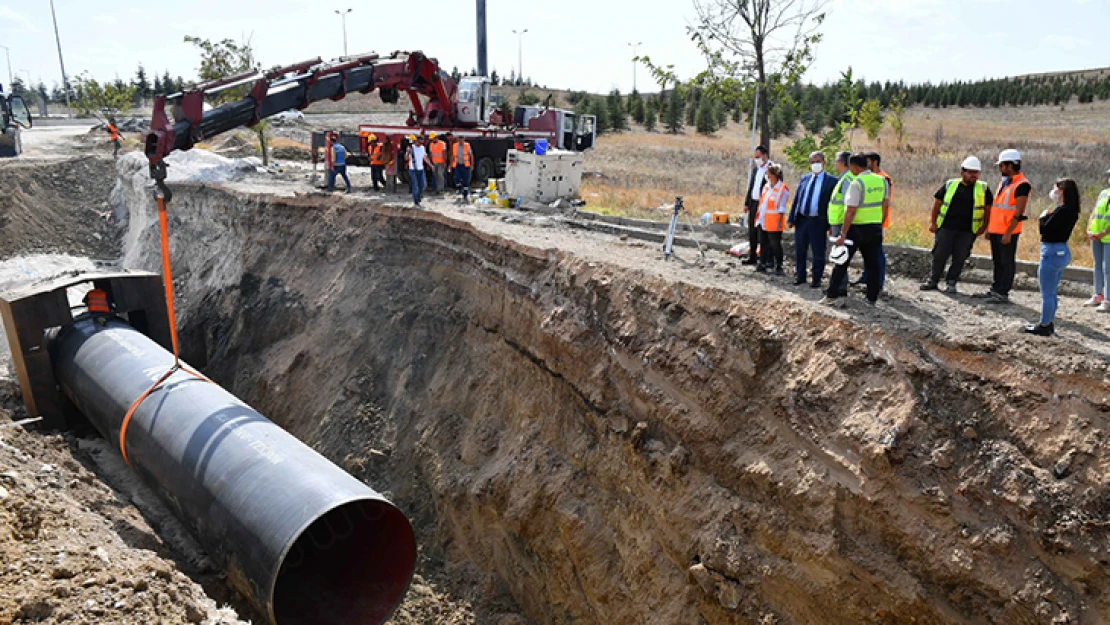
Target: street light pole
[
  {"x": 520, "y": 54},
  {"x": 8, "y": 53},
  {"x": 635, "y": 53},
  {"x": 65, "y": 81},
  {"x": 343, "y": 16}
]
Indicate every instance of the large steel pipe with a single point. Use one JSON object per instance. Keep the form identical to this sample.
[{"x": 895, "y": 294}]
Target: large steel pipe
[{"x": 308, "y": 543}]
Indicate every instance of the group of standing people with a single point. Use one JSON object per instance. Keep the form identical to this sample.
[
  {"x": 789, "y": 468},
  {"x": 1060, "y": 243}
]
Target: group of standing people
[
  {"x": 427, "y": 164},
  {"x": 852, "y": 207}
]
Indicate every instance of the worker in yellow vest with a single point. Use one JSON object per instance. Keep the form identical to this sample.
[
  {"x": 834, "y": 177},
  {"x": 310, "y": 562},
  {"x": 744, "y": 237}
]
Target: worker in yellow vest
[
  {"x": 959, "y": 217},
  {"x": 437, "y": 150},
  {"x": 774, "y": 201},
  {"x": 875, "y": 164},
  {"x": 837, "y": 207},
  {"x": 867, "y": 204},
  {"x": 1098, "y": 231},
  {"x": 1004, "y": 220}
]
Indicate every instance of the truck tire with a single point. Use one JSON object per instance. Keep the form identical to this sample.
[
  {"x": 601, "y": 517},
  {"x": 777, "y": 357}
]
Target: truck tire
[{"x": 484, "y": 170}]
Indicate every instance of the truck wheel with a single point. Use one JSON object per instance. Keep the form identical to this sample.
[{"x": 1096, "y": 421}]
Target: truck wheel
[{"x": 484, "y": 171}]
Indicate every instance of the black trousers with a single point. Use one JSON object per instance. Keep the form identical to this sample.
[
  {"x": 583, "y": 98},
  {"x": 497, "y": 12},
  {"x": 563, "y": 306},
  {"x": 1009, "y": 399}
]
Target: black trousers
[
  {"x": 753, "y": 230},
  {"x": 868, "y": 241},
  {"x": 770, "y": 249},
  {"x": 1005, "y": 263},
  {"x": 377, "y": 174},
  {"x": 951, "y": 244}
]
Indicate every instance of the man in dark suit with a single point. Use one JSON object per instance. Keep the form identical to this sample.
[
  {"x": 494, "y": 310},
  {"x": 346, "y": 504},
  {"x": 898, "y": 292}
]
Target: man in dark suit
[
  {"x": 757, "y": 180},
  {"x": 809, "y": 216}
]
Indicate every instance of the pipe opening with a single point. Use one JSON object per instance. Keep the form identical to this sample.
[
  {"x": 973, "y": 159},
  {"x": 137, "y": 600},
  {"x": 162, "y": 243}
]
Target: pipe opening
[{"x": 352, "y": 566}]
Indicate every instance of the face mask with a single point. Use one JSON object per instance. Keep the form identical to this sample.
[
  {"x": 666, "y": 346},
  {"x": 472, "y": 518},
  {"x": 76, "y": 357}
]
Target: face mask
[
  {"x": 1054, "y": 194},
  {"x": 816, "y": 167}
]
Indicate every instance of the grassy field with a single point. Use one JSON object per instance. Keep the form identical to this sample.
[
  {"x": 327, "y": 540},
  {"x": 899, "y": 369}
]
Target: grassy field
[{"x": 637, "y": 173}]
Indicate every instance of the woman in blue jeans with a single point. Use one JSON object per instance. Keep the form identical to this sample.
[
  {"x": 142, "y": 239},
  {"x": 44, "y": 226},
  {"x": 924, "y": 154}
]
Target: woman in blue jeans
[{"x": 1056, "y": 227}]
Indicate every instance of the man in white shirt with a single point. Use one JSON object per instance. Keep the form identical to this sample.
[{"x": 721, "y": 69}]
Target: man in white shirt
[
  {"x": 417, "y": 161},
  {"x": 756, "y": 181}
]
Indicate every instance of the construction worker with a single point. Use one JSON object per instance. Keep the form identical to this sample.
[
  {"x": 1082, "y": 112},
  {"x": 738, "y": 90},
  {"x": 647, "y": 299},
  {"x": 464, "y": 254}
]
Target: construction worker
[
  {"x": 1098, "y": 231},
  {"x": 757, "y": 180},
  {"x": 809, "y": 216},
  {"x": 1004, "y": 225},
  {"x": 959, "y": 217},
  {"x": 416, "y": 158},
  {"x": 867, "y": 202},
  {"x": 338, "y": 164},
  {"x": 377, "y": 162},
  {"x": 837, "y": 209},
  {"x": 1056, "y": 225},
  {"x": 96, "y": 301},
  {"x": 113, "y": 136},
  {"x": 875, "y": 164},
  {"x": 771, "y": 220},
  {"x": 437, "y": 150},
  {"x": 462, "y": 163},
  {"x": 389, "y": 156}
]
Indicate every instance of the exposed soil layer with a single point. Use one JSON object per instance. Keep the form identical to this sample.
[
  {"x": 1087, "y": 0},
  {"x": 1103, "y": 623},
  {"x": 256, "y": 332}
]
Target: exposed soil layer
[{"x": 582, "y": 442}]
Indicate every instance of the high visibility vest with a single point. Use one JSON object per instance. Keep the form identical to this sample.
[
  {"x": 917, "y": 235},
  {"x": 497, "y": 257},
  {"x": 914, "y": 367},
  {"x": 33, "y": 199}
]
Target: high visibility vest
[
  {"x": 873, "y": 192},
  {"x": 113, "y": 133},
  {"x": 1100, "y": 216},
  {"x": 376, "y": 156},
  {"x": 468, "y": 154},
  {"x": 890, "y": 209},
  {"x": 97, "y": 301},
  {"x": 979, "y": 209},
  {"x": 837, "y": 207},
  {"x": 1005, "y": 205},
  {"x": 438, "y": 151},
  {"x": 772, "y": 210}
]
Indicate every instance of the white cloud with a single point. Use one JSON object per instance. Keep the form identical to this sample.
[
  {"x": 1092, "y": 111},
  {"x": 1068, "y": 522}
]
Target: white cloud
[{"x": 11, "y": 19}]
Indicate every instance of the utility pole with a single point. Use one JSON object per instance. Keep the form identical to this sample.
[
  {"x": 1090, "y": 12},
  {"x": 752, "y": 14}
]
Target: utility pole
[
  {"x": 520, "y": 54},
  {"x": 343, "y": 16},
  {"x": 62, "y": 63},
  {"x": 482, "y": 56},
  {"x": 8, "y": 53},
  {"x": 635, "y": 53}
]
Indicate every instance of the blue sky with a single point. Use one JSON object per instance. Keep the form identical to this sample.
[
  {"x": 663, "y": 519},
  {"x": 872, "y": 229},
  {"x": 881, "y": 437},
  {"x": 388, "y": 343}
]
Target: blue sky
[{"x": 576, "y": 44}]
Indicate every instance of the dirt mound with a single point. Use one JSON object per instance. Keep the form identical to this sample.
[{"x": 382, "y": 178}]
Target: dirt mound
[
  {"x": 291, "y": 153},
  {"x": 59, "y": 207},
  {"x": 593, "y": 444}
]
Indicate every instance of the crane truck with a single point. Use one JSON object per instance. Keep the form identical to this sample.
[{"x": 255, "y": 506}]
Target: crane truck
[{"x": 14, "y": 116}]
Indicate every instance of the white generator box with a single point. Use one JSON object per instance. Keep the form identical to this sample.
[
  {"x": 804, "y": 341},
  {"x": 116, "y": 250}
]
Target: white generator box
[{"x": 543, "y": 178}]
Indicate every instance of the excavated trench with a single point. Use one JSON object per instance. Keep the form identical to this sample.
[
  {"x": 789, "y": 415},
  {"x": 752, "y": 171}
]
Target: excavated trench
[{"x": 593, "y": 445}]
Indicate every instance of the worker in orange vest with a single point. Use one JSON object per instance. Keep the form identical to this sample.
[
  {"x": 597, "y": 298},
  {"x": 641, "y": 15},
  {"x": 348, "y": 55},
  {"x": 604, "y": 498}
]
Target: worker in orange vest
[
  {"x": 377, "y": 162},
  {"x": 774, "y": 202},
  {"x": 113, "y": 136},
  {"x": 96, "y": 301},
  {"x": 1004, "y": 225},
  {"x": 462, "y": 162},
  {"x": 437, "y": 150}
]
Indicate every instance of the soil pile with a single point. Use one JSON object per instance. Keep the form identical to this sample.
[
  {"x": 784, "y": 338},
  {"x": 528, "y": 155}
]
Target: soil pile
[
  {"x": 594, "y": 444},
  {"x": 58, "y": 207}
]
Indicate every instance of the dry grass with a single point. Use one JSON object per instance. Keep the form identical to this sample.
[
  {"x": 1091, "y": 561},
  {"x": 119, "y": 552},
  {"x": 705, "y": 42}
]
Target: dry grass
[{"x": 636, "y": 172}]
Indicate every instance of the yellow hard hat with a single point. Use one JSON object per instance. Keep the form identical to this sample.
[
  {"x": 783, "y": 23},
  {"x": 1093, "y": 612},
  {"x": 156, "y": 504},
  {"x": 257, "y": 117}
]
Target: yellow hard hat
[
  {"x": 373, "y": 137},
  {"x": 412, "y": 137},
  {"x": 431, "y": 135}
]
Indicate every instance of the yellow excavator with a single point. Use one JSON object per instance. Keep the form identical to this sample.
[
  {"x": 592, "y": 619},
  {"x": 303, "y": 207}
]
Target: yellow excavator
[{"x": 15, "y": 117}]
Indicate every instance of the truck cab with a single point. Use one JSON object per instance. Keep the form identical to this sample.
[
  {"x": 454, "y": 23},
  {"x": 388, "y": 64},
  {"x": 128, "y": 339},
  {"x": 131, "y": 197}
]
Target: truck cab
[
  {"x": 474, "y": 103},
  {"x": 570, "y": 130},
  {"x": 14, "y": 116}
]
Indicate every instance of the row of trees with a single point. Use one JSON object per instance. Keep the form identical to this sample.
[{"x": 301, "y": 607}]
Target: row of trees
[{"x": 140, "y": 89}]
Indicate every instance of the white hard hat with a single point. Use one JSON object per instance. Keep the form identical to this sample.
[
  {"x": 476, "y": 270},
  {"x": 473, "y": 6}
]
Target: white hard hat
[
  {"x": 1011, "y": 155},
  {"x": 839, "y": 254},
  {"x": 972, "y": 163}
]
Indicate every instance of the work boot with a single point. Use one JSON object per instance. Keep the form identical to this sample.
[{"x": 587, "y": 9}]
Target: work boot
[
  {"x": 1039, "y": 330},
  {"x": 749, "y": 261},
  {"x": 950, "y": 289},
  {"x": 780, "y": 272},
  {"x": 928, "y": 286}
]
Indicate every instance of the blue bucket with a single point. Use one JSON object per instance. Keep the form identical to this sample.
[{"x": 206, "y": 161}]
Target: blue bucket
[{"x": 541, "y": 147}]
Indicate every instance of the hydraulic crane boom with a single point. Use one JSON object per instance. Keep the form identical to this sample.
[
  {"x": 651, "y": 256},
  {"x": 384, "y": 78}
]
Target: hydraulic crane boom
[{"x": 297, "y": 87}]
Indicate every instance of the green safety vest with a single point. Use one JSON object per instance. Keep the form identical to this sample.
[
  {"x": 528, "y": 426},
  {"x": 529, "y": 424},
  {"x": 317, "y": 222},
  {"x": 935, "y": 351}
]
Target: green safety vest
[
  {"x": 836, "y": 204},
  {"x": 978, "y": 212},
  {"x": 1100, "y": 217},
  {"x": 870, "y": 210}
]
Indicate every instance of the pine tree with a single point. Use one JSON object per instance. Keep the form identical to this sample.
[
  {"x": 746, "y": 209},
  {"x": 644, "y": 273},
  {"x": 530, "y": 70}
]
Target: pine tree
[
  {"x": 637, "y": 105},
  {"x": 167, "y": 83},
  {"x": 141, "y": 84},
  {"x": 649, "y": 119},
  {"x": 600, "y": 109},
  {"x": 705, "y": 121},
  {"x": 618, "y": 119},
  {"x": 673, "y": 117}
]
